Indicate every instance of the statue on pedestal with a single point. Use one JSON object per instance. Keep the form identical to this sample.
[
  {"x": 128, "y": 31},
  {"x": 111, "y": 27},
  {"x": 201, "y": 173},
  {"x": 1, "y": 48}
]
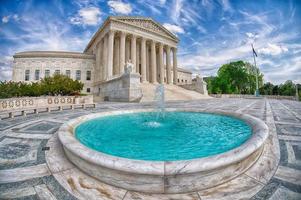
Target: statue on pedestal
[{"x": 129, "y": 67}]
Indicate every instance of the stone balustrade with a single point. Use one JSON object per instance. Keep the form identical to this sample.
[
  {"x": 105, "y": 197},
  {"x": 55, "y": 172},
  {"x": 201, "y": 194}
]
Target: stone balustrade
[
  {"x": 23, "y": 104},
  {"x": 252, "y": 96}
]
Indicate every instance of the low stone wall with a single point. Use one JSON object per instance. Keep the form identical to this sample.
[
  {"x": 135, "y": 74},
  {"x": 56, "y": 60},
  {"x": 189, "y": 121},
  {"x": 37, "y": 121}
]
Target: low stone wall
[
  {"x": 198, "y": 85},
  {"x": 45, "y": 101},
  {"x": 124, "y": 88},
  {"x": 246, "y": 96}
]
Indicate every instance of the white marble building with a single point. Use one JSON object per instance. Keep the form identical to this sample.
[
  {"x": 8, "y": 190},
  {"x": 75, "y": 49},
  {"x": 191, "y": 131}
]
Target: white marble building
[{"x": 148, "y": 45}]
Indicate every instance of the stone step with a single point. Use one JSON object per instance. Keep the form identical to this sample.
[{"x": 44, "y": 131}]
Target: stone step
[{"x": 172, "y": 93}]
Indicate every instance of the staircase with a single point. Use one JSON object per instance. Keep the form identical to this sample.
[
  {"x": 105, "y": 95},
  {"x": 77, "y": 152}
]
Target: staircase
[{"x": 172, "y": 92}]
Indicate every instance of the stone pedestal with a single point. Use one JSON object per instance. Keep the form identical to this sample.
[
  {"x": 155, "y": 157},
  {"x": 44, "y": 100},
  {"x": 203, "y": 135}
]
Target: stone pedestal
[
  {"x": 201, "y": 85},
  {"x": 125, "y": 88}
]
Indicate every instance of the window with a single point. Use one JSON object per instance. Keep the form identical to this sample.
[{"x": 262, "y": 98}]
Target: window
[
  {"x": 185, "y": 81},
  {"x": 182, "y": 80},
  {"x": 47, "y": 73},
  {"x": 178, "y": 80},
  {"x": 88, "y": 76},
  {"x": 78, "y": 75},
  {"x": 68, "y": 73},
  {"x": 37, "y": 75},
  {"x": 27, "y": 72},
  {"x": 88, "y": 90},
  {"x": 57, "y": 71}
]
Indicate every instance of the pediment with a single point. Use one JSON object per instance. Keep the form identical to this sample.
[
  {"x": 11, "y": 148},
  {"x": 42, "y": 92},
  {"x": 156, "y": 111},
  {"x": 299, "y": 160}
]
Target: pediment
[{"x": 147, "y": 24}]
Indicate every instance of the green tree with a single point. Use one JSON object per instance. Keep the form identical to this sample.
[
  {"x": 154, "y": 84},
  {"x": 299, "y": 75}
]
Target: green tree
[
  {"x": 235, "y": 78},
  {"x": 267, "y": 89},
  {"x": 287, "y": 89},
  {"x": 276, "y": 90}
]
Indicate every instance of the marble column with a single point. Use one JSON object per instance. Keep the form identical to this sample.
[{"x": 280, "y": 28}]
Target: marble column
[
  {"x": 175, "y": 65},
  {"x": 161, "y": 64},
  {"x": 127, "y": 50},
  {"x": 116, "y": 57},
  {"x": 143, "y": 60},
  {"x": 122, "y": 53},
  {"x": 138, "y": 58},
  {"x": 147, "y": 62},
  {"x": 104, "y": 57},
  {"x": 97, "y": 75},
  {"x": 133, "y": 52},
  {"x": 168, "y": 67},
  {"x": 153, "y": 62},
  {"x": 158, "y": 65},
  {"x": 110, "y": 54}
]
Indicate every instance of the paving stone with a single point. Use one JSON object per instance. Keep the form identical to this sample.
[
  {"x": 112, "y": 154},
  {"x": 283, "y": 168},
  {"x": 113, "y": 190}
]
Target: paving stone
[
  {"x": 284, "y": 193},
  {"x": 24, "y": 136},
  {"x": 267, "y": 191},
  {"x": 56, "y": 189},
  {"x": 24, "y": 173}
]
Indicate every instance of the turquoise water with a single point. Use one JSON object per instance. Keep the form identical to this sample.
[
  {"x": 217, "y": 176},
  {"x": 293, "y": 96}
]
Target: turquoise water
[{"x": 178, "y": 136}]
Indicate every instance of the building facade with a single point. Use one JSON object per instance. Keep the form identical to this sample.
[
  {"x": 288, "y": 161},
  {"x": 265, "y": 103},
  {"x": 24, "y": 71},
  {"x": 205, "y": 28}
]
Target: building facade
[{"x": 150, "y": 47}]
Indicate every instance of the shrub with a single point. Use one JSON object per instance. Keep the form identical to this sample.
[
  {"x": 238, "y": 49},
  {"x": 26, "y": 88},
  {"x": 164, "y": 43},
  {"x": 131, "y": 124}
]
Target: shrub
[{"x": 55, "y": 85}]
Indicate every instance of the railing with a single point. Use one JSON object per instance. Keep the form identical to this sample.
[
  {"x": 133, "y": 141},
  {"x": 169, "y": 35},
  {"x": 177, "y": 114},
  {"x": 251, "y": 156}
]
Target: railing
[
  {"x": 28, "y": 104},
  {"x": 252, "y": 96}
]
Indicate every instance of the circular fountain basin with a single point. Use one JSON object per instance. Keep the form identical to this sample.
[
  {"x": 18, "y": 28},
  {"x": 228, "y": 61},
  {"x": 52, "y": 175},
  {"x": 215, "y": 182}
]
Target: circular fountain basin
[
  {"x": 175, "y": 136},
  {"x": 186, "y": 151}
]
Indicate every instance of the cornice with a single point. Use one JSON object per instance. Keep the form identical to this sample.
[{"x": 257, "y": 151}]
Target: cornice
[
  {"x": 184, "y": 70},
  {"x": 53, "y": 54},
  {"x": 117, "y": 22},
  {"x": 117, "y": 19}
]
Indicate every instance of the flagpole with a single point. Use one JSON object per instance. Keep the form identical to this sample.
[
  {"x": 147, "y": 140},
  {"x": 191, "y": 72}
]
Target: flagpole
[
  {"x": 297, "y": 92},
  {"x": 257, "y": 87}
]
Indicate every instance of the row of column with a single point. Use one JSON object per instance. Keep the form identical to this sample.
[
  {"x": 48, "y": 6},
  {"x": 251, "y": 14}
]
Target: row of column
[{"x": 109, "y": 58}]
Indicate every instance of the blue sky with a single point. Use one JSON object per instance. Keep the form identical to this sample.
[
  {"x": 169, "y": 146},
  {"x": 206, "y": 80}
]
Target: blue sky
[{"x": 211, "y": 33}]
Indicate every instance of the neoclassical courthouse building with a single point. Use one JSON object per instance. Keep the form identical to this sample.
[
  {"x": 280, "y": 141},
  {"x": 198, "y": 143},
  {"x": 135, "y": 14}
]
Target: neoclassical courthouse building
[{"x": 150, "y": 47}]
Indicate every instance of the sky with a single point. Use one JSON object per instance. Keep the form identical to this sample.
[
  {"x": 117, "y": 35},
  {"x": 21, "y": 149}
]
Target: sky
[{"x": 211, "y": 32}]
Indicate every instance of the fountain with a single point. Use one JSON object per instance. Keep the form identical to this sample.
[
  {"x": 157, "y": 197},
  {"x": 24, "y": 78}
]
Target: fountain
[
  {"x": 160, "y": 101},
  {"x": 164, "y": 150}
]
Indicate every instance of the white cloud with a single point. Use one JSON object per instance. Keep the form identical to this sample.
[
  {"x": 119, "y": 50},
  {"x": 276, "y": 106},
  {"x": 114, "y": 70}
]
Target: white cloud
[
  {"x": 279, "y": 72},
  {"x": 250, "y": 35},
  {"x": 173, "y": 28},
  {"x": 87, "y": 16},
  {"x": 226, "y": 5},
  {"x": 162, "y": 2},
  {"x": 201, "y": 29},
  {"x": 120, "y": 7},
  {"x": 273, "y": 49},
  {"x": 5, "y": 73},
  {"x": 176, "y": 10},
  {"x": 5, "y": 70},
  {"x": 38, "y": 35},
  {"x": 5, "y": 19},
  {"x": 16, "y": 17}
]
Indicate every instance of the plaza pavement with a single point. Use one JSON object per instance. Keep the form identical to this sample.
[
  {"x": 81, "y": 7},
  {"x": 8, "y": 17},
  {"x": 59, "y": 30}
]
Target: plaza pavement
[{"x": 25, "y": 172}]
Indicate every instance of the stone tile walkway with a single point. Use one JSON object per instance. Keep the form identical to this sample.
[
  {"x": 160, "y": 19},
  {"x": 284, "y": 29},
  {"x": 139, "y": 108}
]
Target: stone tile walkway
[{"x": 25, "y": 174}]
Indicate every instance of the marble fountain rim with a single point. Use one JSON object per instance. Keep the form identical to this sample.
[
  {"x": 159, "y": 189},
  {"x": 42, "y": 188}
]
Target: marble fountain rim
[{"x": 260, "y": 133}]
